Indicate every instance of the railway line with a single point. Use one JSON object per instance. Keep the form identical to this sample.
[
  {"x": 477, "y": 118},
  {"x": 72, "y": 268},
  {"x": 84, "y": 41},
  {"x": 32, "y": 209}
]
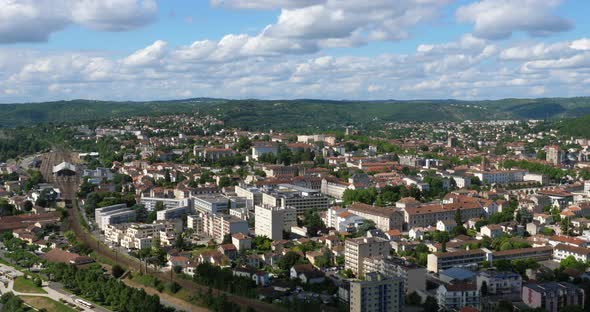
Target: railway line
[{"x": 69, "y": 186}]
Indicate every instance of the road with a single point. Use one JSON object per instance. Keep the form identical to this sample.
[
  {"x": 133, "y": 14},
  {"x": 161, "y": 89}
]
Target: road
[
  {"x": 69, "y": 186},
  {"x": 54, "y": 291}
]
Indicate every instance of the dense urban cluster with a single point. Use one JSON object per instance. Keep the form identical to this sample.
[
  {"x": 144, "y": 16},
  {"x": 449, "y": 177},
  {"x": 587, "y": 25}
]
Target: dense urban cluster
[{"x": 441, "y": 216}]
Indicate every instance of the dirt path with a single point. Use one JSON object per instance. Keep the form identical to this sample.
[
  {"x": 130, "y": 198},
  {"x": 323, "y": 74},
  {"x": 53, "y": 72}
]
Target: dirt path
[{"x": 167, "y": 299}]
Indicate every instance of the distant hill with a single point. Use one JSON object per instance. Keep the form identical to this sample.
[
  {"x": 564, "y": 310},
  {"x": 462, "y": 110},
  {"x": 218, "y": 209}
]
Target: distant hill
[
  {"x": 576, "y": 127},
  {"x": 299, "y": 114}
]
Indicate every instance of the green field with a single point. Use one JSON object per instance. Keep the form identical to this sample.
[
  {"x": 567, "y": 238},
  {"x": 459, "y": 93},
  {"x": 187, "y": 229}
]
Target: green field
[
  {"x": 27, "y": 286},
  {"x": 47, "y": 304}
]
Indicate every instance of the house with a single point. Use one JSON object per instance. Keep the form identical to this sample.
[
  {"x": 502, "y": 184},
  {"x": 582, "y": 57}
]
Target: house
[
  {"x": 228, "y": 250},
  {"x": 491, "y": 230},
  {"x": 543, "y": 218},
  {"x": 446, "y": 225},
  {"x": 241, "y": 241},
  {"x": 261, "y": 278},
  {"x": 178, "y": 261},
  {"x": 307, "y": 273},
  {"x": 59, "y": 255},
  {"x": 534, "y": 228}
]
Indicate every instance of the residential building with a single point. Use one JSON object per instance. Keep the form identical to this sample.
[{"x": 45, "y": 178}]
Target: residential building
[
  {"x": 218, "y": 225},
  {"x": 150, "y": 202},
  {"x": 552, "y": 296},
  {"x": 262, "y": 147},
  {"x": 271, "y": 221},
  {"x": 554, "y": 154},
  {"x": 500, "y": 176},
  {"x": 100, "y": 212},
  {"x": 252, "y": 194},
  {"x": 214, "y": 203},
  {"x": 241, "y": 241},
  {"x": 356, "y": 250},
  {"x": 334, "y": 187},
  {"x": 385, "y": 218},
  {"x": 461, "y": 258},
  {"x": 413, "y": 275},
  {"x": 301, "y": 198},
  {"x": 172, "y": 213},
  {"x": 376, "y": 293},
  {"x": 342, "y": 220},
  {"x": 535, "y": 253},
  {"x": 456, "y": 295},
  {"x": 505, "y": 285},
  {"x": 562, "y": 251},
  {"x": 113, "y": 215}
]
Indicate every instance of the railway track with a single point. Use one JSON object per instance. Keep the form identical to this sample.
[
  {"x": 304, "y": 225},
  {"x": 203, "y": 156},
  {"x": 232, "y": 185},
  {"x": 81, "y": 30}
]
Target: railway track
[{"x": 69, "y": 186}]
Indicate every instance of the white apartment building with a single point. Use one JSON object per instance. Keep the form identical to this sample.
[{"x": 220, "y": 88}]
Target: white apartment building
[
  {"x": 140, "y": 236},
  {"x": 100, "y": 212},
  {"x": 505, "y": 284},
  {"x": 376, "y": 293},
  {"x": 453, "y": 296},
  {"x": 562, "y": 251},
  {"x": 342, "y": 220},
  {"x": 462, "y": 258},
  {"x": 413, "y": 275},
  {"x": 271, "y": 221},
  {"x": 334, "y": 187},
  {"x": 385, "y": 218},
  {"x": 500, "y": 176},
  {"x": 195, "y": 222},
  {"x": 356, "y": 250},
  {"x": 150, "y": 202},
  {"x": 172, "y": 213},
  {"x": 218, "y": 225},
  {"x": 301, "y": 198},
  {"x": 261, "y": 148},
  {"x": 253, "y": 195}
]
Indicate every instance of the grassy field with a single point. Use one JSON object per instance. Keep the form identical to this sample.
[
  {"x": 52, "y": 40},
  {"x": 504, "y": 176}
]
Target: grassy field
[
  {"x": 27, "y": 286},
  {"x": 47, "y": 304}
]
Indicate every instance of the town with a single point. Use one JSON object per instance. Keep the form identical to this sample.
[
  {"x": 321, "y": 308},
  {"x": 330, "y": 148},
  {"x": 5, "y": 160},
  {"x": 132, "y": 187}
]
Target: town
[{"x": 181, "y": 212}]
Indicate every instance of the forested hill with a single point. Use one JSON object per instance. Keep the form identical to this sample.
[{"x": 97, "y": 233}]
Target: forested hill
[
  {"x": 299, "y": 114},
  {"x": 577, "y": 127}
]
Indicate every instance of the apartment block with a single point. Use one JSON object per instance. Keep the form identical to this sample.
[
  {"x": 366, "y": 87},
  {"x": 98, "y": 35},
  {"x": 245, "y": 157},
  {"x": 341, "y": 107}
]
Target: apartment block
[
  {"x": 113, "y": 215},
  {"x": 271, "y": 221},
  {"x": 535, "y": 253},
  {"x": 172, "y": 213},
  {"x": 506, "y": 285},
  {"x": 455, "y": 296},
  {"x": 356, "y": 250},
  {"x": 413, "y": 275},
  {"x": 562, "y": 251},
  {"x": 150, "y": 202},
  {"x": 552, "y": 296},
  {"x": 376, "y": 293},
  {"x": 462, "y": 258},
  {"x": 301, "y": 198},
  {"x": 218, "y": 225},
  {"x": 385, "y": 218}
]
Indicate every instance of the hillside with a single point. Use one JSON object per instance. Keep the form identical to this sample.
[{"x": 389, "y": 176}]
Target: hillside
[
  {"x": 577, "y": 127},
  {"x": 299, "y": 114}
]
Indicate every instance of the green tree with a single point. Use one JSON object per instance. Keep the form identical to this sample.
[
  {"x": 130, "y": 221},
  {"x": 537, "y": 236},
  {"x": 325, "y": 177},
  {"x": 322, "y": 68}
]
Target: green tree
[
  {"x": 117, "y": 271},
  {"x": 430, "y": 304}
]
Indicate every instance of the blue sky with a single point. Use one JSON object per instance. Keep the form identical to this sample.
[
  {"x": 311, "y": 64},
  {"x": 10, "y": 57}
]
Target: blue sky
[{"x": 275, "y": 49}]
